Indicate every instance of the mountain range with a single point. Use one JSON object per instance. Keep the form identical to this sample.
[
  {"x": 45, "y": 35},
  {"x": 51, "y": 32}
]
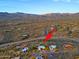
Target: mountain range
[{"x": 5, "y": 16}]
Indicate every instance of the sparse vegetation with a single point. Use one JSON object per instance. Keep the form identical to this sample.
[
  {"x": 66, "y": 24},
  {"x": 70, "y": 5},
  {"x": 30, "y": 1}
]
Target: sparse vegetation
[{"x": 31, "y": 26}]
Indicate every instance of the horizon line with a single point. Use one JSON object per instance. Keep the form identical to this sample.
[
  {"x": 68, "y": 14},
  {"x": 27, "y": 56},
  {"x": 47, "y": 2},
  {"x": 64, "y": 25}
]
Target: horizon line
[{"x": 41, "y": 13}]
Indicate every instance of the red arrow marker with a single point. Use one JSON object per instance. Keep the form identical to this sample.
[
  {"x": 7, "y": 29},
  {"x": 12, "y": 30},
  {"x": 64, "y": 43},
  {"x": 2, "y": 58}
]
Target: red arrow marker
[{"x": 49, "y": 35}]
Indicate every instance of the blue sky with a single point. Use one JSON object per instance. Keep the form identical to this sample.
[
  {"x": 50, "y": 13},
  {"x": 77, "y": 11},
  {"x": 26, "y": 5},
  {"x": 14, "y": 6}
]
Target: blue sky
[{"x": 39, "y": 6}]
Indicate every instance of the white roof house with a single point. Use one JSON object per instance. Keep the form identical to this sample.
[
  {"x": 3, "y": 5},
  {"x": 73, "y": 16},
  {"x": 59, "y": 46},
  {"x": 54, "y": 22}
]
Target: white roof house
[
  {"x": 51, "y": 47},
  {"x": 39, "y": 47}
]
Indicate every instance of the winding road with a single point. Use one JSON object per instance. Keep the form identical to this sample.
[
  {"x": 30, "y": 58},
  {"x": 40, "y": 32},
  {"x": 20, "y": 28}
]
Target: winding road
[{"x": 39, "y": 38}]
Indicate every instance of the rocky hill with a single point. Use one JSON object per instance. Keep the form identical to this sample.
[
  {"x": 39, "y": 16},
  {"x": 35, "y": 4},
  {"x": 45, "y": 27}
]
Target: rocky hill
[{"x": 16, "y": 26}]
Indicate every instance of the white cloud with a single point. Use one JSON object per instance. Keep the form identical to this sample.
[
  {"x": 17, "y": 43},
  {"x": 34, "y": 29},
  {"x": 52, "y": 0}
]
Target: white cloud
[
  {"x": 68, "y": 0},
  {"x": 62, "y": 0},
  {"x": 55, "y": 0},
  {"x": 23, "y": 0}
]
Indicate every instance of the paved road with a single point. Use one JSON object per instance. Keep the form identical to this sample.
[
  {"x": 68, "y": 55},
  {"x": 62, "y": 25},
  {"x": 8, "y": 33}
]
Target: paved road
[
  {"x": 33, "y": 39},
  {"x": 27, "y": 40}
]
